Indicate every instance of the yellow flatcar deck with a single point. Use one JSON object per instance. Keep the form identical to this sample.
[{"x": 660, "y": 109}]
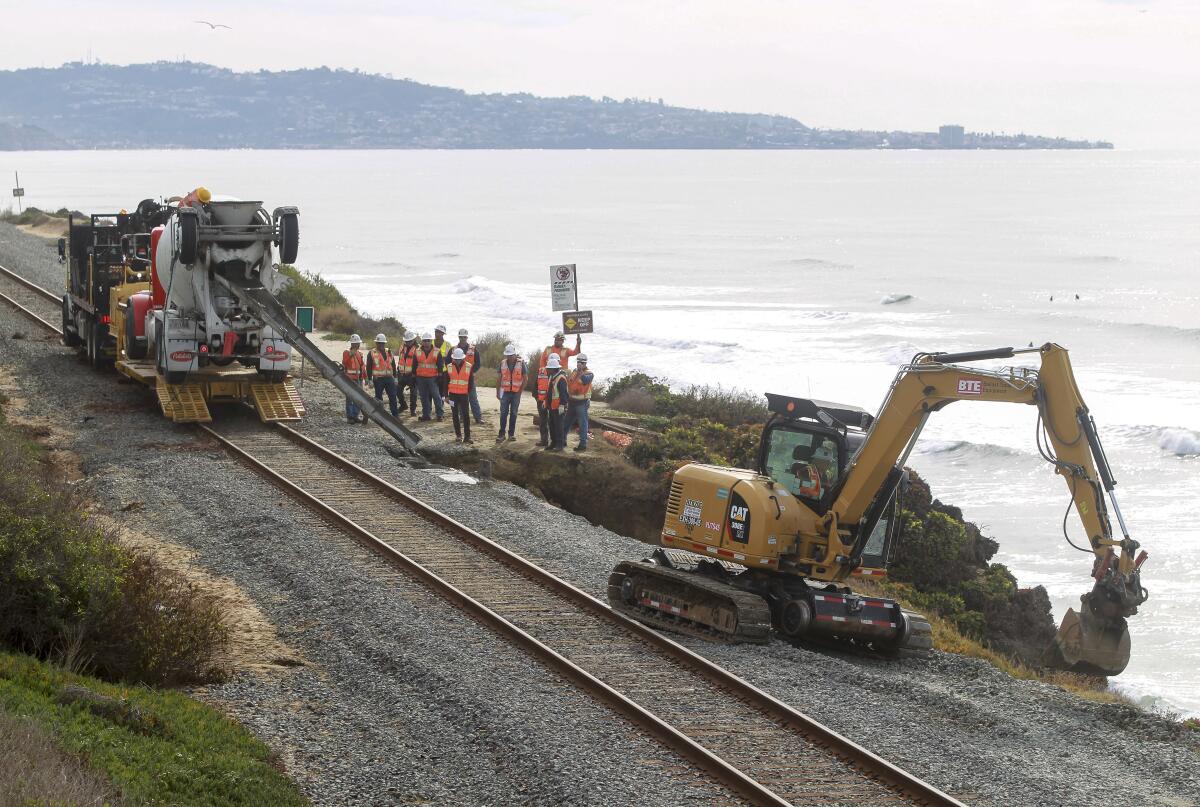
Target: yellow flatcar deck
[{"x": 188, "y": 402}]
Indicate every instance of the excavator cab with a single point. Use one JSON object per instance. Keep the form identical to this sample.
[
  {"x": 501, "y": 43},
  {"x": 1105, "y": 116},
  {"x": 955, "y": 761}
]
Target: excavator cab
[{"x": 806, "y": 447}]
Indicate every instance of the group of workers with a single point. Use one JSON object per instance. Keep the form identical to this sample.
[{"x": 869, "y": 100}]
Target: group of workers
[{"x": 438, "y": 373}]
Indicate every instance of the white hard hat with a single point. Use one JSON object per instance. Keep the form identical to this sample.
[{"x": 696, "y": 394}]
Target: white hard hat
[
  {"x": 441, "y": 328},
  {"x": 425, "y": 337},
  {"x": 581, "y": 357},
  {"x": 355, "y": 339},
  {"x": 554, "y": 362},
  {"x": 462, "y": 331},
  {"x": 510, "y": 350},
  {"x": 457, "y": 353},
  {"x": 379, "y": 337},
  {"x": 559, "y": 335},
  {"x": 409, "y": 336}
]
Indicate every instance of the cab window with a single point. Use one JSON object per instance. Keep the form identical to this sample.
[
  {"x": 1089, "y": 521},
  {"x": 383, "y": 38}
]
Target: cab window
[{"x": 804, "y": 463}]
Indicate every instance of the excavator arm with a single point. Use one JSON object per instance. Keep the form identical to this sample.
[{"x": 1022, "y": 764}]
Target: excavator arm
[{"x": 1095, "y": 640}]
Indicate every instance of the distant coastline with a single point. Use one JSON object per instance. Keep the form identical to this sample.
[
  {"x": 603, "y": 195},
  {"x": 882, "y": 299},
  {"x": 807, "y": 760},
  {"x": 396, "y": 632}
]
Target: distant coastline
[{"x": 189, "y": 105}]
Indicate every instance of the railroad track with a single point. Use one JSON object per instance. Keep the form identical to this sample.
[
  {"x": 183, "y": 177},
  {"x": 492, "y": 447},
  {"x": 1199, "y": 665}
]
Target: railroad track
[
  {"x": 40, "y": 305},
  {"x": 762, "y": 749}
]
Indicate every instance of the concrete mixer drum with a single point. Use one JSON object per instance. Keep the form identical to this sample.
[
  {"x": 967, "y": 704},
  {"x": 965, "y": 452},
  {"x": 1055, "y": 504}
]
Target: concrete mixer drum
[{"x": 210, "y": 247}]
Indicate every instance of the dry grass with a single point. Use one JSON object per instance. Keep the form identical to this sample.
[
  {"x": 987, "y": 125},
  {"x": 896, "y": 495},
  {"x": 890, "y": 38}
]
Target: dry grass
[
  {"x": 948, "y": 639},
  {"x": 34, "y": 771}
]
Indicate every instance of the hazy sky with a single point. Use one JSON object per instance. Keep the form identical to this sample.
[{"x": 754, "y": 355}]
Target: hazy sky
[{"x": 1127, "y": 71}]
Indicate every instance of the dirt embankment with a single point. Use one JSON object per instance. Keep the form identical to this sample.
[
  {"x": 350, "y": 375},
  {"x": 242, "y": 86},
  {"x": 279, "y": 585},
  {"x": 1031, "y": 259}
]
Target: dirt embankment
[{"x": 599, "y": 485}]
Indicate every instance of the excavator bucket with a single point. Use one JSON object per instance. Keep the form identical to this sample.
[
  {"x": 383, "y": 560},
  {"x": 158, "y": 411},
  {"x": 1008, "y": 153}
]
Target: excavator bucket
[{"x": 1086, "y": 644}]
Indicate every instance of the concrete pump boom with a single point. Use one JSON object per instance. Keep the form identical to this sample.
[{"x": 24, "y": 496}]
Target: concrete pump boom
[
  {"x": 265, "y": 306},
  {"x": 1096, "y": 639}
]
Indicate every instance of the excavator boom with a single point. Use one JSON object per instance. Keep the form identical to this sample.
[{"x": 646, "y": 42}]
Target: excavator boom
[{"x": 1095, "y": 640}]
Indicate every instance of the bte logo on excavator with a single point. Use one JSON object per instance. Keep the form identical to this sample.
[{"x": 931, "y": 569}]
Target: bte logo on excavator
[{"x": 970, "y": 386}]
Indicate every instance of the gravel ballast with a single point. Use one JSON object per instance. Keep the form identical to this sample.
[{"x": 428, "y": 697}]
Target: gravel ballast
[
  {"x": 401, "y": 691},
  {"x": 401, "y": 698}
]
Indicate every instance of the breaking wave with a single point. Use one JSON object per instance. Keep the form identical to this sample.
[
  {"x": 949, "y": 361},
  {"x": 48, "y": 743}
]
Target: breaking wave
[
  {"x": 1180, "y": 442},
  {"x": 966, "y": 448},
  {"x": 892, "y": 299},
  {"x": 1172, "y": 439}
]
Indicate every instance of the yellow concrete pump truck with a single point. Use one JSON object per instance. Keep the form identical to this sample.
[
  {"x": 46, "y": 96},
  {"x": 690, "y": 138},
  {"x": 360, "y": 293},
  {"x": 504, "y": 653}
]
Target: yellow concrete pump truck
[{"x": 744, "y": 552}]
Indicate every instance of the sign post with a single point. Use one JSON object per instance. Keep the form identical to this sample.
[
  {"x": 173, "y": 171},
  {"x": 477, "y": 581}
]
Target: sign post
[
  {"x": 19, "y": 192},
  {"x": 305, "y": 314},
  {"x": 564, "y": 288}
]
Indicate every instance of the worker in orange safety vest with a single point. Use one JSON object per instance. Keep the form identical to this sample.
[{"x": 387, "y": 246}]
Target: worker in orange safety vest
[
  {"x": 579, "y": 388},
  {"x": 428, "y": 368},
  {"x": 381, "y": 369},
  {"x": 564, "y": 353},
  {"x": 554, "y": 401},
  {"x": 510, "y": 387},
  {"x": 355, "y": 368},
  {"x": 458, "y": 392}
]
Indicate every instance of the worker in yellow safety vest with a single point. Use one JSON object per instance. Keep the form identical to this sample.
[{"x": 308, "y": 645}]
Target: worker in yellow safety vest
[
  {"x": 355, "y": 368},
  {"x": 428, "y": 367},
  {"x": 510, "y": 386},
  {"x": 458, "y": 391},
  {"x": 579, "y": 389},
  {"x": 564, "y": 353},
  {"x": 439, "y": 341}
]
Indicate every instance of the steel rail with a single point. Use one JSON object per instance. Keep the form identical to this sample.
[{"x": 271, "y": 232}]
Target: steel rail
[
  {"x": 727, "y": 774},
  {"x": 29, "y": 284},
  {"x": 29, "y": 313},
  {"x": 837, "y": 745},
  {"x": 11, "y": 275}
]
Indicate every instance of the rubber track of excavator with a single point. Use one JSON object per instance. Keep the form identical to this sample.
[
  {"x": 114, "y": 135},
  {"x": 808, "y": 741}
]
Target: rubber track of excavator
[{"x": 753, "y": 613}]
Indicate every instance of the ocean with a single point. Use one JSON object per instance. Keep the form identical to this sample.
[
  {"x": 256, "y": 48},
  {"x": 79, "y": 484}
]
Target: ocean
[{"x": 801, "y": 272}]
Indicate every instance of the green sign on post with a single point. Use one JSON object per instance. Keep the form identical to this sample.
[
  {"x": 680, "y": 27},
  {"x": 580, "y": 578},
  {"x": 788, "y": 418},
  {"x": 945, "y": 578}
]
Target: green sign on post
[{"x": 304, "y": 317}]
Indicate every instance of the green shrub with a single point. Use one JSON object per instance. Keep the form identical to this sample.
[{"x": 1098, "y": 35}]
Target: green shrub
[
  {"x": 309, "y": 288},
  {"x": 703, "y": 441},
  {"x": 491, "y": 348},
  {"x": 639, "y": 393},
  {"x": 70, "y": 591},
  {"x": 155, "y": 747}
]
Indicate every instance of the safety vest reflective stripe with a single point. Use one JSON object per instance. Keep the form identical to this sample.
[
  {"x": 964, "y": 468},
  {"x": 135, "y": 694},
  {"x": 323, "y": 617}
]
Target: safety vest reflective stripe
[
  {"x": 578, "y": 390},
  {"x": 460, "y": 379},
  {"x": 353, "y": 364},
  {"x": 427, "y": 363},
  {"x": 512, "y": 379},
  {"x": 381, "y": 363},
  {"x": 553, "y": 397}
]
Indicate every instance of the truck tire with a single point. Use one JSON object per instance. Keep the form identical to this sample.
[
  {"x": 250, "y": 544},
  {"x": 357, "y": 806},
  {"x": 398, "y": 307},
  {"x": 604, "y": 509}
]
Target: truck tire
[
  {"x": 289, "y": 237},
  {"x": 70, "y": 338},
  {"x": 189, "y": 238},
  {"x": 133, "y": 348},
  {"x": 97, "y": 333}
]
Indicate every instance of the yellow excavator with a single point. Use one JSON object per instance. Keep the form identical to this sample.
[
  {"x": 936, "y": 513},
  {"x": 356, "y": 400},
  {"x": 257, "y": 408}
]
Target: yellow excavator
[{"x": 745, "y": 552}]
